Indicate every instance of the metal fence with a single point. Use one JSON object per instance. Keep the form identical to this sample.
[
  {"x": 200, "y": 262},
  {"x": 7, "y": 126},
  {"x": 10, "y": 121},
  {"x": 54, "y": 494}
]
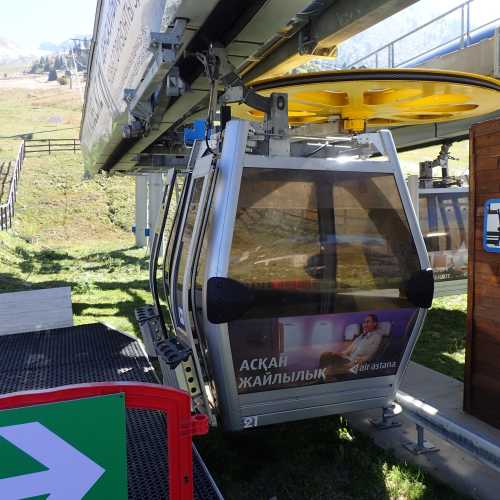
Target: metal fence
[
  {"x": 50, "y": 146},
  {"x": 7, "y": 209},
  {"x": 386, "y": 56}
]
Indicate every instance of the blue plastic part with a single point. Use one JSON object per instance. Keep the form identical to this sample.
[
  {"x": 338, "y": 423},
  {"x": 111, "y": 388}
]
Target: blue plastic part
[
  {"x": 196, "y": 133},
  {"x": 486, "y": 247},
  {"x": 134, "y": 229},
  {"x": 146, "y": 231}
]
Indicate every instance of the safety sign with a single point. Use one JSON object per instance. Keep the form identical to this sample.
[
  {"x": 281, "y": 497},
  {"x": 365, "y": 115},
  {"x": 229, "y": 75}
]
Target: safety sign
[{"x": 68, "y": 450}]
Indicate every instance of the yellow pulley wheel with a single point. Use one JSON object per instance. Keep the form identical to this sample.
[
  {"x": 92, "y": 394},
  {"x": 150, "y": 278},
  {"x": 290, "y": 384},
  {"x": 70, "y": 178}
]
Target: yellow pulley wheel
[{"x": 379, "y": 98}]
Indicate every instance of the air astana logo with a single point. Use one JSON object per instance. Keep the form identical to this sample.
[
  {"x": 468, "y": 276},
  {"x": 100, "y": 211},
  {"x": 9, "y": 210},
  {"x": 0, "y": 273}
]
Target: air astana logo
[{"x": 365, "y": 367}]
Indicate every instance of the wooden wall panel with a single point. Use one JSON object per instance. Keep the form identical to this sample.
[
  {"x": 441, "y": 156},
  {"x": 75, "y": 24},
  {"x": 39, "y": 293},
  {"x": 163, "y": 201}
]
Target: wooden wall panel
[{"x": 482, "y": 361}]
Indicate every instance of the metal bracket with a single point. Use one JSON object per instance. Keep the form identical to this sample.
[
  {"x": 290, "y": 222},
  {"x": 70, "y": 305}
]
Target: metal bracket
[
  {"x": 170, "y": 39},
  {"x": 173, "y": 351},
  {"x": 371, "y": 142},
  {"x": 421, "y": 446},
  {"x": 277, "y": 125},
  {"x": 150, "y": 327},
  {"x": 165, "y": 47},
  {"x": 307, "y": 42},
  {"x": 128, "y": 94},
  {"x": 174, "y": 86},
  {"x": 167, "y": 44},
  {"x": 389, "y": 413},
  {"x": 133, "y": 130},
  {"x": 219, "y": 68}
]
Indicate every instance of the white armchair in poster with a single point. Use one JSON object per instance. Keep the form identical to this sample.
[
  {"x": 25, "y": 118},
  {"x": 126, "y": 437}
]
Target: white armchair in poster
[{"x": 321, "y": 348}]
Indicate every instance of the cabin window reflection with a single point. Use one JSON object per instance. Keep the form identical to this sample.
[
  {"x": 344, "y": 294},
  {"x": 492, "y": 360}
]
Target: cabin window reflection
[
  {"x": 169, "y": 234},
  {"x": 444, "y": 223},
  {"x": 316, "y": 242},
  {"x": 184, "y": 247},
  {"x": 200, "y": 277}
]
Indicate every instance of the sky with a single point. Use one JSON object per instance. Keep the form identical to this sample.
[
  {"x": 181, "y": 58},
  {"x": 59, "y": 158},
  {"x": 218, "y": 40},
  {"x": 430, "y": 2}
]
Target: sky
[{"x": 30, "y": 22}]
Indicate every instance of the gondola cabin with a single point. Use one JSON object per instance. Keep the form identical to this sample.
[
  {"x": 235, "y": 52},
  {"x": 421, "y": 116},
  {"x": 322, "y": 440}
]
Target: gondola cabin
[{"x": 302, "y": 283}]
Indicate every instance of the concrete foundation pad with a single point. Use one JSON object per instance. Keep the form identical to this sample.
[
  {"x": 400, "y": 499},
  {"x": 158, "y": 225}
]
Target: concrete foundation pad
[{"x": 449, "y": 464}]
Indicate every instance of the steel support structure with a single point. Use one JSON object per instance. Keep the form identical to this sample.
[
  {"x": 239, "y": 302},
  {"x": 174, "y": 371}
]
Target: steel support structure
[
  {"x": 141, "y": 216},
  {"x": 155, "y": 191}
]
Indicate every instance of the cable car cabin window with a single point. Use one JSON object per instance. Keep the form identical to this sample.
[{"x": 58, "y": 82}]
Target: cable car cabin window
[
  {"x": 444, "y": 224},
  {"x": 321, "y": 242},
  {"x": 200, "y": 276},
  {"x": 184, "y": 247},
  {"x": 325, "y": 259}
]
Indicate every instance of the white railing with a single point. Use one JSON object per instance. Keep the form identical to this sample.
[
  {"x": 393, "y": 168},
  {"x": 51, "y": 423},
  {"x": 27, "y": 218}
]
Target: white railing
[
  {"x": 7, "y": 209},
  {"x": 386, "y": 56}
]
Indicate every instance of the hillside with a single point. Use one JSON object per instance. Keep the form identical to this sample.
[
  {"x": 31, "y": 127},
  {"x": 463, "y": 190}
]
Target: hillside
[
  {"x": 10, "y": 52},
  {"x": 67, "y": 231},
  {"x": 63, "y": 46}
]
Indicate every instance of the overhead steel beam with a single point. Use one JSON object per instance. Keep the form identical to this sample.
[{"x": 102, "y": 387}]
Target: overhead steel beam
[
  {"x": 419, "y": 136},
  {"x": 240, "y": 27},
  {"x": 331, "y": 23},
  {"x": 342, "y": 20}
]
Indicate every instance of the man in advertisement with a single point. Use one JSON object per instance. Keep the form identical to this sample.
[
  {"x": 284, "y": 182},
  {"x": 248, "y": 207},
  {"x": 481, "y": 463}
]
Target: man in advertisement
[
  {"x": 362, "y": 349},
  {"x": 307, "y": 350}
]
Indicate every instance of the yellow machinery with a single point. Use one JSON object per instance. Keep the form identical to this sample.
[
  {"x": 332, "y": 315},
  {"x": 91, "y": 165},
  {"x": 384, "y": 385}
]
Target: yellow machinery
[{"x": 368, "y": 98}]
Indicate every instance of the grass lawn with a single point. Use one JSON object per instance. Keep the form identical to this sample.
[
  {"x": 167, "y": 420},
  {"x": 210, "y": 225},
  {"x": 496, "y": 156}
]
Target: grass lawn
[
  {"x": 313, "y": 459},
  {"x": 441, "y": 345},
  {"x": 74, "y": 232}
]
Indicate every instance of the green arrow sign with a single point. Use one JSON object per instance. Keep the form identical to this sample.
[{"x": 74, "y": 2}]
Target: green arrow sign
[{"x": 65, "y": 451}]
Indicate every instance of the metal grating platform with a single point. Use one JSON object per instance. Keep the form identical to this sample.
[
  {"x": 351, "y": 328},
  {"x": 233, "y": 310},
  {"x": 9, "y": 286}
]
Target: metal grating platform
[{"x": 95, "y": 353}]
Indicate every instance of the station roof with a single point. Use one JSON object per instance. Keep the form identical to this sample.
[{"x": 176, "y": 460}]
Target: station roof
[{"x": 258, "y": 35}]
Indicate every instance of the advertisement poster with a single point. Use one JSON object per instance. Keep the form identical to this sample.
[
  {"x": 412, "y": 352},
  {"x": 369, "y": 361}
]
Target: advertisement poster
[{"x": 277, "y": 353}]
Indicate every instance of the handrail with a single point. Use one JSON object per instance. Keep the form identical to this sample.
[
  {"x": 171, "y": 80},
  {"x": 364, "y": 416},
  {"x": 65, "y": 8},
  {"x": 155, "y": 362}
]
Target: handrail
[
  {"x": 464, "y": 37},
  {"x": 7, "y": 209}
]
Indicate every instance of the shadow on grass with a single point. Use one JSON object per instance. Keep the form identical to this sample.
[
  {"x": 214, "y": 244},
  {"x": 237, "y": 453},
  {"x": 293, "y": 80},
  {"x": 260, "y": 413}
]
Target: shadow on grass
[
  {"x": 12, "y": 283},
  {"x": 442, "y": 342},
  {"x": 52, "y": 261},
  {"x": 51, "y": 265},
  {"x": 313, "y": 459},
  {"x": 120, "y": 308},
  {"x": 44, "y": 261}
]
